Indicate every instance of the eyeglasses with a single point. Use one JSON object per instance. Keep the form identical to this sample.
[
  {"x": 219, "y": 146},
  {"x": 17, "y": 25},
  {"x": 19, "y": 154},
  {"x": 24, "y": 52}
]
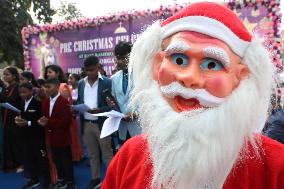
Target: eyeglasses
[{"x": 125, "y": 57}]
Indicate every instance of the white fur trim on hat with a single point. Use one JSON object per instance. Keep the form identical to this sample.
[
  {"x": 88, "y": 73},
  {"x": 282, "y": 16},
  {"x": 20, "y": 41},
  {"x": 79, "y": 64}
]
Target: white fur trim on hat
[{"x": 207, "y": 26}]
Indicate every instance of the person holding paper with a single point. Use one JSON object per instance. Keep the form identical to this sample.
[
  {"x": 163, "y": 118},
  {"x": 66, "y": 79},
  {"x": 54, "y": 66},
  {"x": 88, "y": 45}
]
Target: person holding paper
[
  {"x": 121, "y": 89},
  {"x": 91, "y": 93},
  {"x": 13, "y": 148},
  {"x": 57, "y": 119},
  {"x": 35, "y": 156}
]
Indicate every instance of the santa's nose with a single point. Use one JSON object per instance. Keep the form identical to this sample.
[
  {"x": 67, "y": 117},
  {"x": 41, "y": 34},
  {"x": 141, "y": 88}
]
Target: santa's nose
[{"x": 190, "y": 77}]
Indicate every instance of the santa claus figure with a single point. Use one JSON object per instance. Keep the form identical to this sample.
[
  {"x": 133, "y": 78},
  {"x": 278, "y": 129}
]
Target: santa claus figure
[{"x": 202, "y": 85}]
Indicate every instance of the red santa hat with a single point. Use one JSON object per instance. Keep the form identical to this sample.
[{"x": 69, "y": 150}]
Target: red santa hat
[{"x": 211, "y": 19}]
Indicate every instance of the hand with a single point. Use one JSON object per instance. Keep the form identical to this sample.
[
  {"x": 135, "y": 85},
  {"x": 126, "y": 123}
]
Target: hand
[
  {"x": 42, "y": 121},
  {"x": 110, "y": 102},
  {"x": 128, "y": 117},
  {"x": 94, "y": 111},
  {"x": 134, "y": 115},
  {"x": 20, "y": 121}
]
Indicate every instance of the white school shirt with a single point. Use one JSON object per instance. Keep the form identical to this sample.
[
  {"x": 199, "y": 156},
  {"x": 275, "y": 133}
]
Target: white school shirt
[
  {"x": 27, "y": 102},
  {"x": 91, "y": 96},
  {"x": 52, "y": 102}
]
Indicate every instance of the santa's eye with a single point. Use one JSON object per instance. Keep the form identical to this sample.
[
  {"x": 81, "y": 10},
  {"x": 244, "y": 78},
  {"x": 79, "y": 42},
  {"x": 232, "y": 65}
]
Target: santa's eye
[
  {"x": 211, "y": 64},
  {"x": 179, "y": 59}
]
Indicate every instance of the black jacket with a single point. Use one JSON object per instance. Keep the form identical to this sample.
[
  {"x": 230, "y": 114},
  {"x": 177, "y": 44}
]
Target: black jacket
[
  {"x": 275, "y": 126},
  {"x": 32, "y": 114},
  {"x": 10, "y": 95}
]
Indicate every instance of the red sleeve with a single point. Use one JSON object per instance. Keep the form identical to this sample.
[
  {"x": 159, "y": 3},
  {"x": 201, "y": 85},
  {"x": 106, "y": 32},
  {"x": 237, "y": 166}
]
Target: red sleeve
[
  {"x": 130, "y": 167},
  {"x": 118, "y": 165}
]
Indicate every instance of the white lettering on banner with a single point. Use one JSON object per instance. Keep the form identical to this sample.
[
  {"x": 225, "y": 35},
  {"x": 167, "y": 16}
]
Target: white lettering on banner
[
  {"x": 100, "y": 54},
  {"x": 87, "y": 45},
  {"x": 74, "y": 70},
  {"x": 107, "y": 60},
  {"x": 121, "y": 38},
  {"x": 134, "y": 37},
  {"x": 109, "y": 69},
  {"x": 103, "y": 43},
  {"x": 66, "y": 47},
  {"x": 110, "y": 42}
]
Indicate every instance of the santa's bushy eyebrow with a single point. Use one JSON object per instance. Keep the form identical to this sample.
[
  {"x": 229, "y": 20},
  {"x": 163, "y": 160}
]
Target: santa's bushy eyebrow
[
  {"x": 218, "y": 54},
  {"x": 177, "y": 47}
]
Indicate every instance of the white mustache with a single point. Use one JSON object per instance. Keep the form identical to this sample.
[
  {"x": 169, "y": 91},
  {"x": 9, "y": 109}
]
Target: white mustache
[{"x": 204, "y": 97}]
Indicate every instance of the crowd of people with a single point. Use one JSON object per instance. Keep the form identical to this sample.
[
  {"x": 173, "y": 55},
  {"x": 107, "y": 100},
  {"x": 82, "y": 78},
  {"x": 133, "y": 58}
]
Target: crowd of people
[{"x": 47, "y": 135}]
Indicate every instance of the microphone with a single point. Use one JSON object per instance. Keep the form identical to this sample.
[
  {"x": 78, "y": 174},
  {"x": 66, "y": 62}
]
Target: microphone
[{"x": 111, "y": 98}]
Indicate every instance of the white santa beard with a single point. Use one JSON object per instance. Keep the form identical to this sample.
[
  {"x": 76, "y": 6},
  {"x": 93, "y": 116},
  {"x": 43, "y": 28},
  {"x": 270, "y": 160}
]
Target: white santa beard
[
  {"x": 190, "y": 152},
  {"x": 197, "y": 151}
]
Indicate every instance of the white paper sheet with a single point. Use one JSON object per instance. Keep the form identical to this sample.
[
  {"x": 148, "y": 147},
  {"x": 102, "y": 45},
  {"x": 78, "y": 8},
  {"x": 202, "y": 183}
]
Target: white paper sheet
[
  {"x": 82, "y": 108},
  {"x": 111, "y": 113},
  {"x": 10, "y": 107},
  {"x": 111, "y": 124}
]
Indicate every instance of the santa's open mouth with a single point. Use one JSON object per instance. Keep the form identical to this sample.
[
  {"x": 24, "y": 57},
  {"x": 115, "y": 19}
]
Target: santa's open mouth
[{"x": 183, "y": 104}]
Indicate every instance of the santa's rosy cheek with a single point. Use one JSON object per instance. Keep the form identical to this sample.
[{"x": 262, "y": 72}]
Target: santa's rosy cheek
[
  {"x": 165, "y": 76},
  {"x": 219, "y": 86}
]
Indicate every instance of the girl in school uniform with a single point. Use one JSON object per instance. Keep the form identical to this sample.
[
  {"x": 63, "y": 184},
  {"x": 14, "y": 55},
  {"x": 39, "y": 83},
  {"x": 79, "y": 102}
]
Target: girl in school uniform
[{"x": 13, "y": 148}]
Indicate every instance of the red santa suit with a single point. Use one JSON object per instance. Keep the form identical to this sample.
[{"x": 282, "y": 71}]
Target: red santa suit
[{"x": 131, "y": 168}]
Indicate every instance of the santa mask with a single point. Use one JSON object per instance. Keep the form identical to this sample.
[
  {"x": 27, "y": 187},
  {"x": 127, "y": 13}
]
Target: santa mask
[{"x": 201, "y": 85}]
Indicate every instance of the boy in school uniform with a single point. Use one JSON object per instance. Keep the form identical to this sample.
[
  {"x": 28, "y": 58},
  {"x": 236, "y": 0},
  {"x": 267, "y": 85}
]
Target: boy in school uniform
[
  {"x": 57, "y": 119},
  {"x": 33, "y": 137}
]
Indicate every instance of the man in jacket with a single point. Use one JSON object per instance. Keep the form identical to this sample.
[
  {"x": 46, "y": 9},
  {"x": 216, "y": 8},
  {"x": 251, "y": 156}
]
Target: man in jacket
[
  {"x": 121, "y": 90},
  {"x": 93, "y": 91}
]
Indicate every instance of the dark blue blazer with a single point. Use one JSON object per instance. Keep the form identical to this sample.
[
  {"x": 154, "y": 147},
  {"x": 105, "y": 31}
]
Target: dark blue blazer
[
  {"x": 275, "y": 126},
  {"x": 104, "y": 86}
]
